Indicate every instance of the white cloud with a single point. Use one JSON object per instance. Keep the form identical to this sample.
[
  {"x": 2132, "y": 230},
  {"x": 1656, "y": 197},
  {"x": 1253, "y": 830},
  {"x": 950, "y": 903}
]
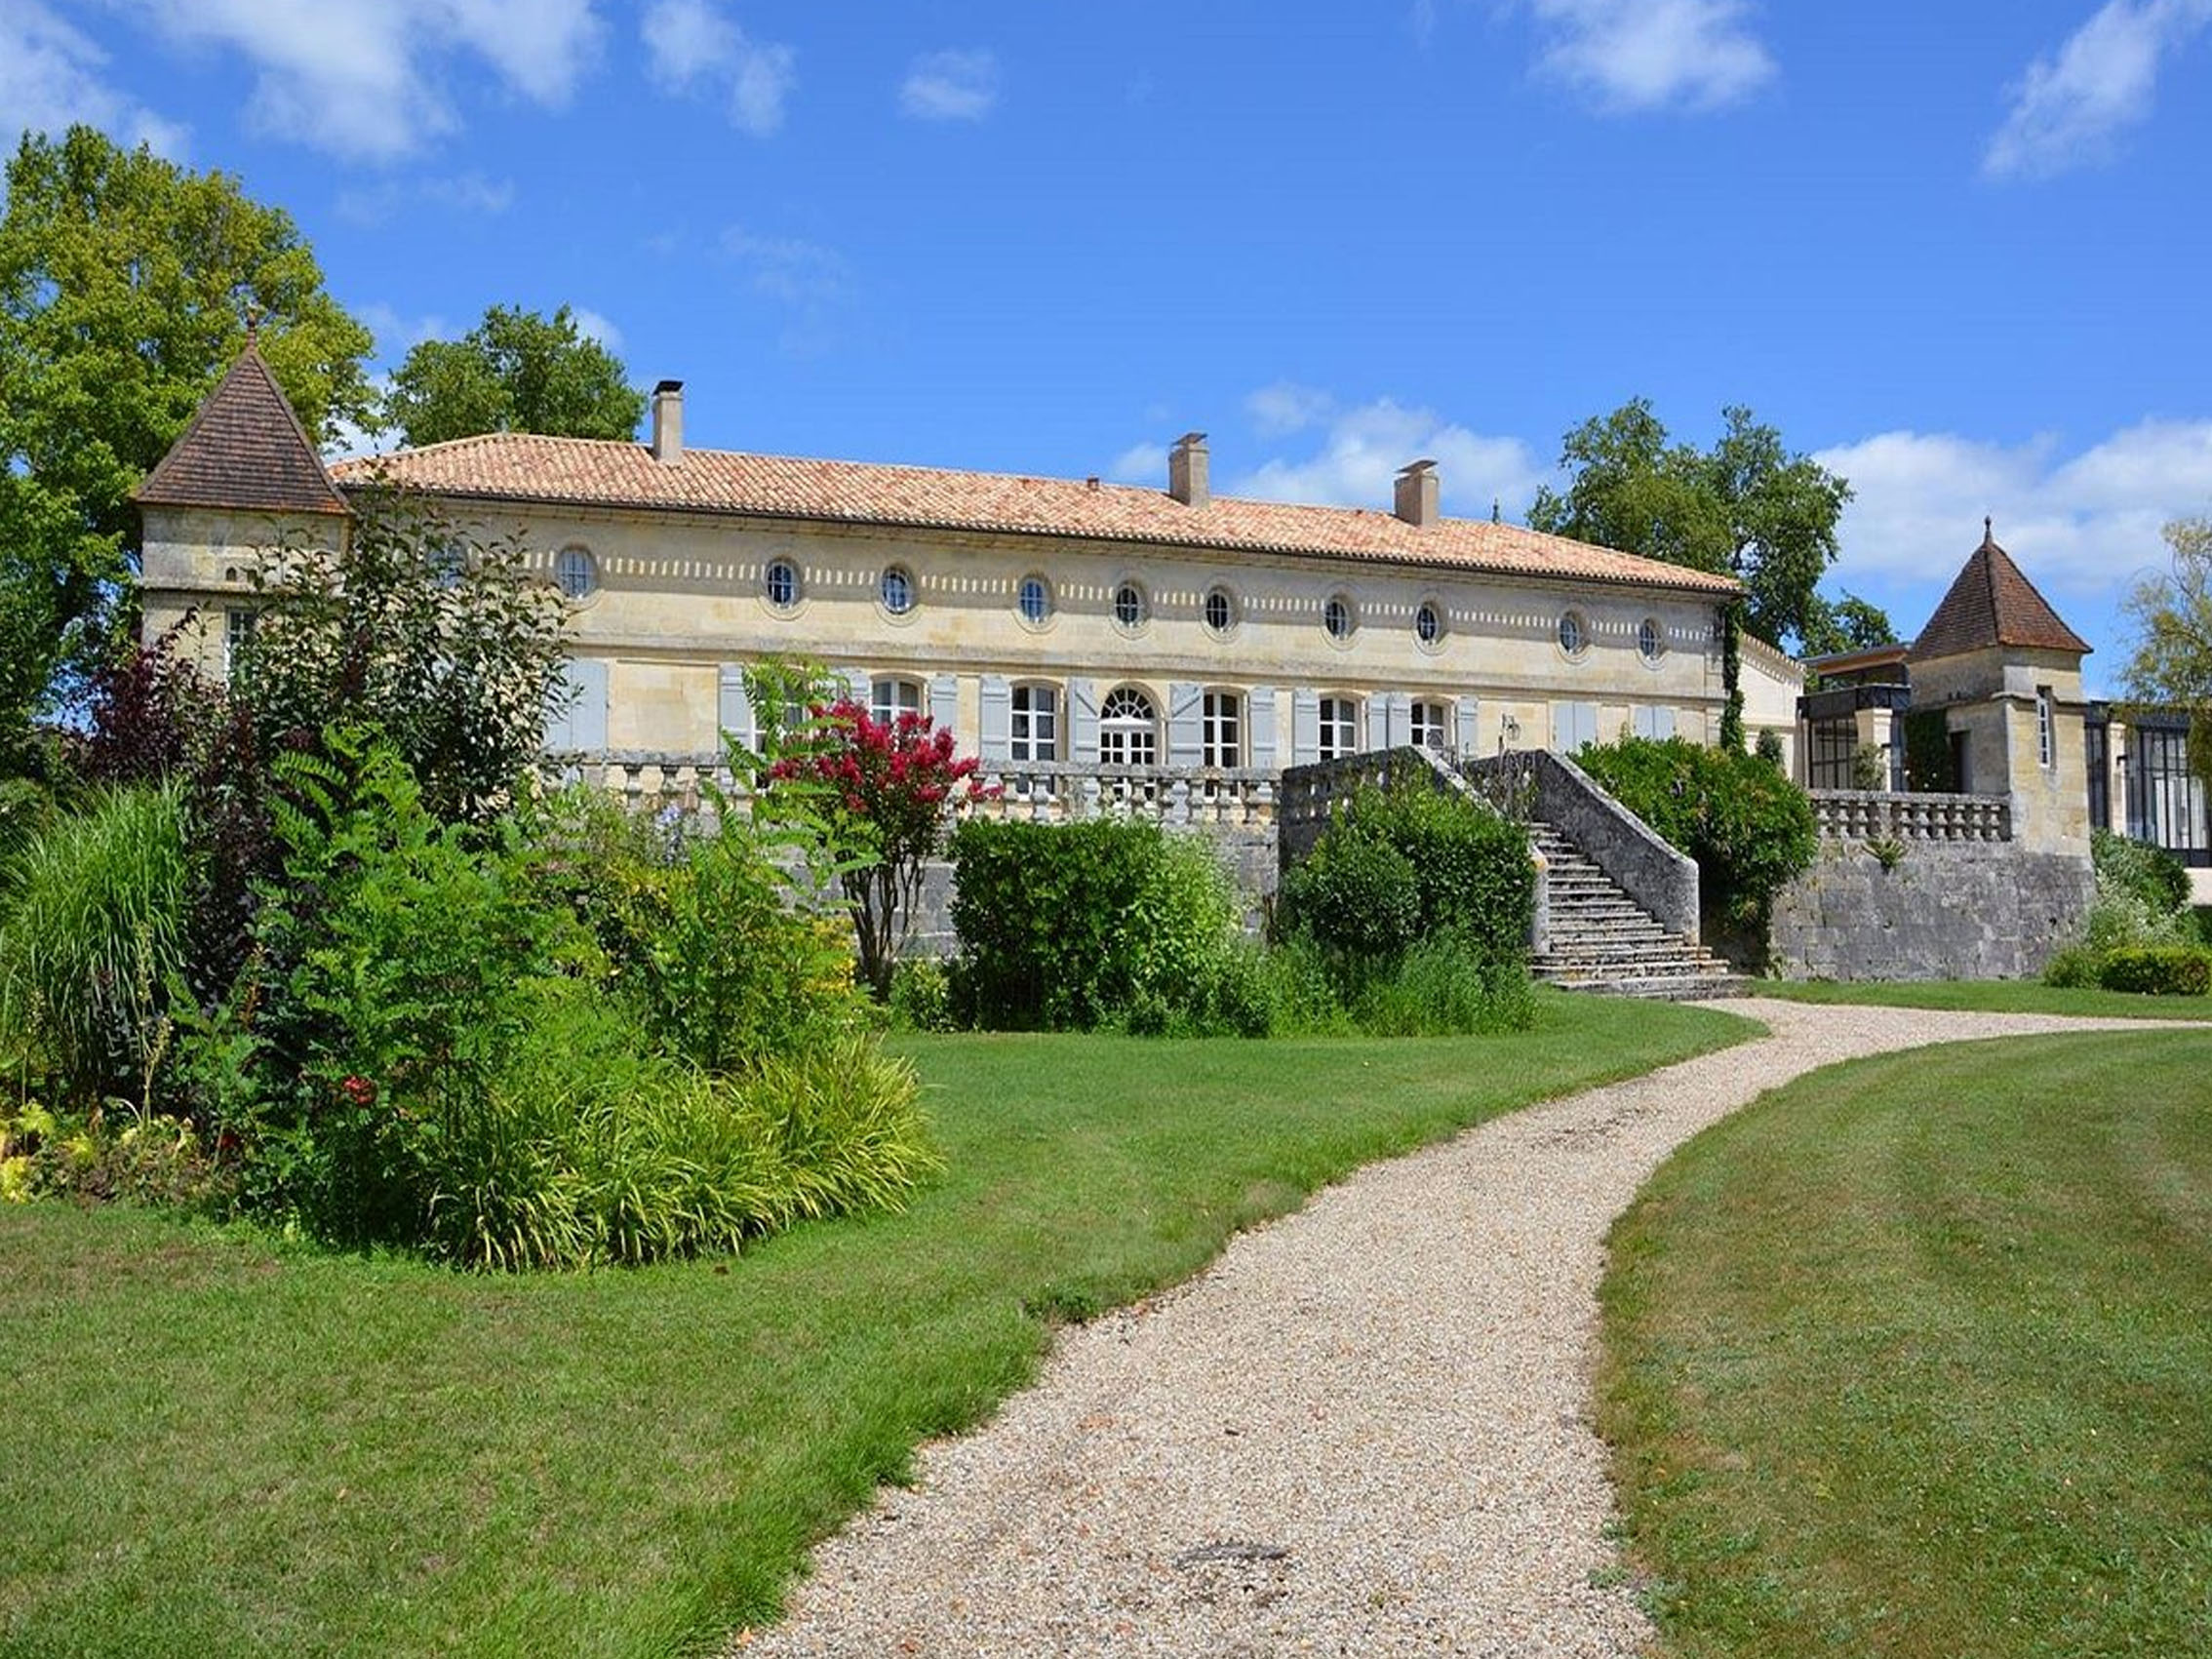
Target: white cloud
[
  {"x": 1287, "y": 407},
  {"x": 811, "y": 283},
  {"x": 362, "y": 78},
  {"x": 395, "y": 333},
  {"x": 690, "y": 42},
  {"x": 1140, "y": 464},
  {"x": 1634, "y": 56},
  {"x": 592, "y": 325},
  {"x": 1365, "y": 448},
  {"x": 50, "y": 79},
  {"x": 2068, "y": 110},
  {"x": 470, "y": 193},
  {"x": 2078, "y": 522},
  {"x": 951, "y": 85}
]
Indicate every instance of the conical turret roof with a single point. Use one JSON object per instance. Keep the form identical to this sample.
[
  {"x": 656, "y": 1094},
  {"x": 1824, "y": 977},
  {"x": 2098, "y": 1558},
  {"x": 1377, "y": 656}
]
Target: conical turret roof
[
  {"x": 245, "y": 449},
  {"x": 1992, "y": 603}
]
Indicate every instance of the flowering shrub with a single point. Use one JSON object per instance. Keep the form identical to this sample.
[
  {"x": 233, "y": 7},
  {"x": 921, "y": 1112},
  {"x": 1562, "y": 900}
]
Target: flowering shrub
[{"x": 887, "y": 789}]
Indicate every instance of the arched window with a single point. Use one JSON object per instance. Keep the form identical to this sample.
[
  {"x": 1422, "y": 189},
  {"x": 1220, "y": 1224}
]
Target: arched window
[
  {"x": 1339, "y": 728},
  {"x": 1127, "y": 729}
]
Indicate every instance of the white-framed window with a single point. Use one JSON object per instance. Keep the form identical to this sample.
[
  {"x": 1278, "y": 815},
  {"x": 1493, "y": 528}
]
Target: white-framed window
[
  {"x": 2047, "y": 735},
  {"x": 237, "y": 629},
  {"x": 1128, "y": 606},
  {"x": 1034, "y": 601},
  {"x": 780, "y": 583},
  {"x": 1428, "y": 623},
  {"x": 575, "y": 573},
  {"x": 1337, "y": 620},
  {"x": 1431, "y": 725},
  {"x": 1651, "y": 639},
  {"x": 1035, "y": 733},
  {"x": 448, "y": 564},
  {"x": 1128, "y": 729},
  {"x": 896, "y": 588},
  {"x": 1220, "y": 612},
  {"x": 891, "y": 696},
  {"x": 1221, "y": 730},
  {"x": 1339, "y": 728},
  {"x": 1574, "y": 633}
]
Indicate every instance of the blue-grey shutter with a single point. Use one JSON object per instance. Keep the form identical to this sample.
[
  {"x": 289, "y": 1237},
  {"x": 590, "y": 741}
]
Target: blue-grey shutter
[
  {"x": 1398, "y": 718},
  {"x": 944, "y": 701},
  {"x": 1259, "y": 728},
  {"x": 587, "y": 715},
  {"x": 560, "y": 715},
  {"x": 1468, "y": 729},
  {"x": 996, "y": 706},
  {"x": 855, "y": 684},
  {"x": 1572, "y": 725},
  {"x": 1184, "y": 726},
  {"x": 733, "y": 711},
  {"x": 1662, "y": 724},
  {"x": 1083, "y": 720},
  {"x": 1305, "y": 727}
]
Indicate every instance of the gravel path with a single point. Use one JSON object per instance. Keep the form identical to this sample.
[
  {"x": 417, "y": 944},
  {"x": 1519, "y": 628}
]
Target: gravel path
[{"x": 1363, "y": 1431}]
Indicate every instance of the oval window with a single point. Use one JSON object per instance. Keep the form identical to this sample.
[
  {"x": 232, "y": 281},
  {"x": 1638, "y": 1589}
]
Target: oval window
[
  {"x": 896, "y": 589},
  {"x": 1129, "y": 605},
  {"x": 1220, "y": 610},
  {"x": 1573, "y": 637},
  {"x": 1336, "y": 619},
  {"x": 782, "y": 584},
  {"x": 575, "y": 573},
  {"x": 1651, "y": 639},
  {"x": 1036, "y": 600},
  {"x": 1428, "y": 623}
]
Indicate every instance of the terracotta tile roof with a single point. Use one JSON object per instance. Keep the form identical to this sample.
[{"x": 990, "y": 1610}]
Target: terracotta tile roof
[
  {"x": 1992, "y": 603},
  {"x": 245, "y": 448},
  {"x": 594, "y": 472}
]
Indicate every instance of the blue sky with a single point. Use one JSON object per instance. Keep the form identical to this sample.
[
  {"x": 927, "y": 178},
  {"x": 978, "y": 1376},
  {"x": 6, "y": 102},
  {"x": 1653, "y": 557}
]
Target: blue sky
[{"x": 1958, "y": 251}]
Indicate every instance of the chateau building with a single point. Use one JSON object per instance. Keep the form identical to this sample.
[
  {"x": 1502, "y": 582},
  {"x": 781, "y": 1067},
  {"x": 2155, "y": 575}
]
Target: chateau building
[{"x": 1050, "y": 622}]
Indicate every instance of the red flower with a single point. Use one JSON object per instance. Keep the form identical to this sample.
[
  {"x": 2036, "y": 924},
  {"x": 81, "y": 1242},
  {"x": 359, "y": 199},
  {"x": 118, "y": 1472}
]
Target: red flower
[{"x": 359, "y": 1091}]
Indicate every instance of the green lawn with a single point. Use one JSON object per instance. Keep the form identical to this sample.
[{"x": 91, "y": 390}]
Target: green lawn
[
  {"x": 219, "y": 1444},
  {"x": 1991, "y": 996},
  {"x": 1913, "y": 1358}
]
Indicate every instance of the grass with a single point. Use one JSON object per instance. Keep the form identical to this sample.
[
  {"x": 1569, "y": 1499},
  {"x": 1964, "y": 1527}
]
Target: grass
[
  {"x": 219, "y": 1444},
  {"x": 1991, "y": 996},
  {"x": 1914, "y": 1359}
]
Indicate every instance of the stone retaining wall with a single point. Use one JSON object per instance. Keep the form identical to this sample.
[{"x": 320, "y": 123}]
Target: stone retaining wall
[{"x": 1943, "y": 910}]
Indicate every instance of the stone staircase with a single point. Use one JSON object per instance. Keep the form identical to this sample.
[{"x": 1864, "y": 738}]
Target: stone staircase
[{"x": 1603, "y": 941}]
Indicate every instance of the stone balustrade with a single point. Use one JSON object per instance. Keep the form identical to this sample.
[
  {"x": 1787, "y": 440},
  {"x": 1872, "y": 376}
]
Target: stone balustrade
[
  {"x": 1046, "y": 790},
  {"x": 1860, "y": 814}
]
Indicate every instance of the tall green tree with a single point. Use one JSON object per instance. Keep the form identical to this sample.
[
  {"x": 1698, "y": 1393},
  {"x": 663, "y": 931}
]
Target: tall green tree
[
  {"x": 125, "y": 283},
  {"x": 514, "y": 372},
  {"x": 1849, "y": 623},
  {"x": 2172, "y": 616},
  {"x": 1747, "y": 507}
]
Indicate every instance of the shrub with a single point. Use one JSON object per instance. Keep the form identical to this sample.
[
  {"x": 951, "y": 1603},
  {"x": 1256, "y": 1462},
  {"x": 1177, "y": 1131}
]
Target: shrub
[
  {"x": 96, "y": 1156},
  {"x": 1071, "y": 925},
  {"x": 91, "y": 938},
  {"x": 2161, "y": 970},
  {"x": 2151, "y": 874},
  {"x": 1355, "y": 895},
  {"x": 1441, "y": 989},
  {"x": 1749, "y": 828},
  {"x": 921, "y": 996}
]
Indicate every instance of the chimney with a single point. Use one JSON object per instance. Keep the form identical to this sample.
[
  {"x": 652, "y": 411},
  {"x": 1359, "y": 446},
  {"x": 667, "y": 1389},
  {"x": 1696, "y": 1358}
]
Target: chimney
[
  {"x": 1186, "y": 470},
  {"x": 668, "y": 422},
  {"x": 1417, "y": 488}
]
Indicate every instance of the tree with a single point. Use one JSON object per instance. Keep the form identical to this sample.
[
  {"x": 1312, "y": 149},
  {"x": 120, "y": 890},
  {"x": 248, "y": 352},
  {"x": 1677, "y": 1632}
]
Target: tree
[
  {"x": 1849, "y": 623},
  {"x": 886, "y": 788},
  {"x": 514, "y": 372},
  {"x": 126, "y": 286},
  {"x": 2172, "y": 615},
  {"x": 1747, "y": 509}
]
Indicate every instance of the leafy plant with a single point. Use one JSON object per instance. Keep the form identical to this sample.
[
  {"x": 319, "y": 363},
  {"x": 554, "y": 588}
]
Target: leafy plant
[
  {"x": 2161, "y": 970},
  {"x": 2152, "y": 874},
  {"x": 91, "y": 938},
  {"x": 887, "y": 789},
  {"x": 1749, "y": 828}
]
